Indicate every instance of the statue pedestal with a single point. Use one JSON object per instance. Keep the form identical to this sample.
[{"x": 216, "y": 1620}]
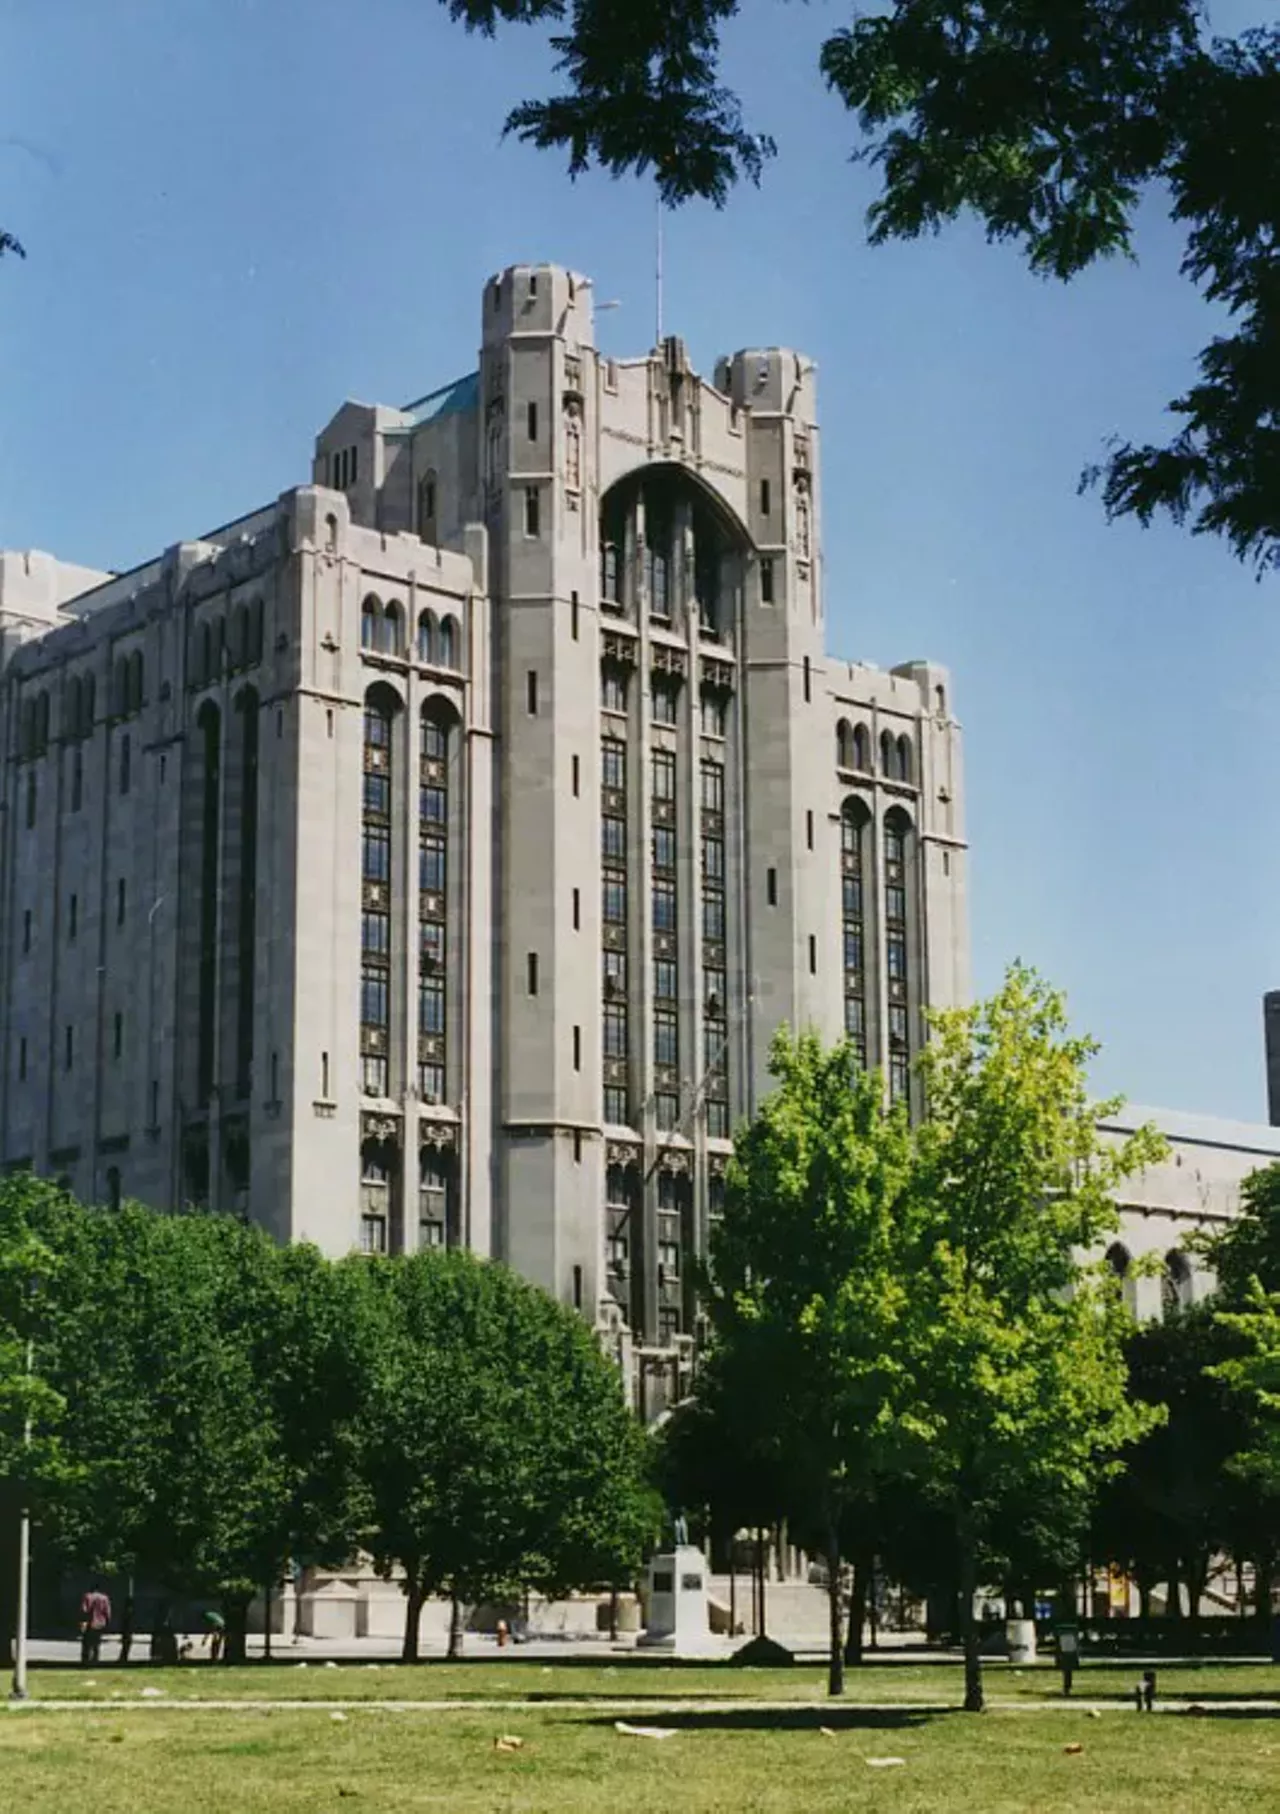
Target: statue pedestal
[{"x": 678, "y": 1622}]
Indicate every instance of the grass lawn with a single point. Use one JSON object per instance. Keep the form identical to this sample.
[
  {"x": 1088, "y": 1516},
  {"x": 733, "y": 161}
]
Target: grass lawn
[
  {"x": 937, "y": 1684},
  {"x": 127, "y": 1761}
]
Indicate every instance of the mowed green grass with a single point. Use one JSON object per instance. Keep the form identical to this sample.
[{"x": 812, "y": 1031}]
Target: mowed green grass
[
  {"x": 127, "y": 1761},
  {"x": 934, "y": 1683}
]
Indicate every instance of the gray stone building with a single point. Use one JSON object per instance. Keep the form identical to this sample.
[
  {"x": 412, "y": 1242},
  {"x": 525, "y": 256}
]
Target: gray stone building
[{"x": 430, "y": 856}]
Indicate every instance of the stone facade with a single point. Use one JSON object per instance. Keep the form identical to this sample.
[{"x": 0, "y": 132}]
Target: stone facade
[{"x": 432, "y": 855}]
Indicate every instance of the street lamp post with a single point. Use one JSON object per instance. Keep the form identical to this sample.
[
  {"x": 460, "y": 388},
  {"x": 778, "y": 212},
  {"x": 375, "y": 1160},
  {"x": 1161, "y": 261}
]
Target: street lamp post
[{"x": 18, "y": 1692}]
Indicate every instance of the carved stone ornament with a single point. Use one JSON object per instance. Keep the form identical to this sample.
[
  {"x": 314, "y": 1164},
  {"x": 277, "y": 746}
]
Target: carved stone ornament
[
  {"x": 667, "y": 660},
  {"x": 620, "y": 650},
  {"x": 674, "y": 1162},
  {"x": 717, "y": 676},
  {"x": 717, "y": 1164},
  {"x": 619, "y": 1152},
  {"x": 379, "y": 1127},
  {"x": 439, "y": 1136}
]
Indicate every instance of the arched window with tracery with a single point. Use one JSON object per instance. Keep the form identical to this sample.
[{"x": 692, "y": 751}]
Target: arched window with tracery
[
  {"x": 906, "y": 763},
  {"x": 391, "y": 631},
  {"x": 449, "y": 642},
  {"x": 1175, "y": 1283},
  {"x": 426, "y": 636},
  {"x": 844, "y": 744},
  {"x": 370, "y": 624},
  {"x": 855, "y": 821},
  {"x": 1120, "y": 1262},
  {"x": 898, "y": 834},
  {"x": 888, "y": 756},
  {"x": 380, "y": 709}
]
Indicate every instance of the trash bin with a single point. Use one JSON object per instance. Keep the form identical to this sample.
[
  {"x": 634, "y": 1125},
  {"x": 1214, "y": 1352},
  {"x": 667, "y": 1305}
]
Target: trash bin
[{"x": 1020, "y": 1635}]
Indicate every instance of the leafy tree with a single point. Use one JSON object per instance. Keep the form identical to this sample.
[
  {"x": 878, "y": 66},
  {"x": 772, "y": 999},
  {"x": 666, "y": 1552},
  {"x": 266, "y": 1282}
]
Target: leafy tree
[
  {"x": 807, "y": 1294},
  {"x": 1254, "y": 1374},
  {"x": 1050, "y": 122},
  {"x": 1018, "y": 1346},
  {"x": 1177, "y": 1502},
  {"x": 495, "y": 1443},
  {"x": 1247, "y": 1251},
  {"x": 211, "y": 1381},
  {"x": 34, "y": 1463}
]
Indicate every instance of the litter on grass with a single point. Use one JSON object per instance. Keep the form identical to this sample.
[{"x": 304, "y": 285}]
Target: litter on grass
[
  {"x": 885, "y": 1763},
  {"x": 507, "y": 1741},
  {"x": 1073, "y": 1750},
  {"x": 339, "y": 1717},
  {"x": 628, "y": 1731},
  {"x": 152, "y": 1694}
]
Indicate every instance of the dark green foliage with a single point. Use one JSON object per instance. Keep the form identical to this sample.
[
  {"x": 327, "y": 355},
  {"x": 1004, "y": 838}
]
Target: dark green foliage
[
  {"x": 207, "y": 1406},
  {"x": 1048, "y": 121}
]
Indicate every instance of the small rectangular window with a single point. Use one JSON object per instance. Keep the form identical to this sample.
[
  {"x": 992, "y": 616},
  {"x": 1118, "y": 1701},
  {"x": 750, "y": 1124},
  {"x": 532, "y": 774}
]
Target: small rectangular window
[
  {"x": 807, "y": 680},
  {"x": 577, "y": 1288},
  {"x": 577, "y": 910},
  {"x": 22, "y": 1060},
  {"x": 576, "y": 776},
  {"x": 808, "y": 829},
  {"x": 531, "y": 687},
  {"x": 31, "y": 801},
  {"x": 69, "y": 1048},
  {"x": 531, "y": 972},
  {"x": 324, "y": 1075},
  {"x": 577, "y": 1048},
  {"x": 117, "y": 1035},
  {"x": 126, "y": 764},
  {"x": 532, "y": 512},
  {"x": 771, "y": 886},
  {"x": 573, "y": 615},
  {"x": 765, "y": 499},
  {"x": 577, "y": 1146},
  {"x": 26, "y": 930},
  {"x": 813, "y": 955},
  {"x": 531, "y": 416},
  {"x": 73, "y": 915},
  {"x": 766, "y": 581},
  {"x": 121, "y": 891}
]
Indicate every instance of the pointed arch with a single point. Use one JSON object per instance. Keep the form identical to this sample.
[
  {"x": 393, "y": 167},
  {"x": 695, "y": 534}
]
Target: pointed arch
[
  {"x": 888, "y": 756},
  {"x": 426, "y": 636},
  {"x": 449, "y": 642},
  {"x": 844, "y": 744},
  {"x": 392, "y": 630},
  {"x": 862, "y": 748},
  {"x": 370, "y": 623},
  {"x": 906, "y": 762}
]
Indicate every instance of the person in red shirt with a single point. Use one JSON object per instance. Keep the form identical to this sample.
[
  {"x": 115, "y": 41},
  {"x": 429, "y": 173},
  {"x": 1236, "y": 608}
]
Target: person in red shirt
[{"x": 95, "y": 1616}]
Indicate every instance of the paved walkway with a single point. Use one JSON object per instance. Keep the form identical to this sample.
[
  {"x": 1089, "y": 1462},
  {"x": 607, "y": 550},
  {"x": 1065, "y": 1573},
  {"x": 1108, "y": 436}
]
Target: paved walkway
[{"x": 700, "y": 1705}]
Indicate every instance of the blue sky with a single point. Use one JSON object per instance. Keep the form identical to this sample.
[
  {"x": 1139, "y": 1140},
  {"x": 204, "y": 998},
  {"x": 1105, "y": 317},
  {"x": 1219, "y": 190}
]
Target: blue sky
[{"x": 239, "y": 212}]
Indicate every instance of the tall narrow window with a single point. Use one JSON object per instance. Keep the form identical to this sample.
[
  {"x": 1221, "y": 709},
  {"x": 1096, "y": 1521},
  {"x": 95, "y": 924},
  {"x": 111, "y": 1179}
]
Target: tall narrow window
[
  {"x": 26, "y": 930},
  {"x": 614, "y": 845},
  {"x": 765, "y": 499},
  {"x": 531, "y": 420},
  {"x": 77, "y": 780},
  {"x": 531, "y": 690},
  {"x": 381, "y": 707},
  {"x": 573, "y": 615},
  {"x": 577, "y": 910},
  {"x": 209, "y": 723},
  {"x": 246, "y": 915},
  {"x": 807, "y": 680},
  {"x": 897, "y": 832},
  {"x": 22, "y": 1061},
  {"x": 531, "y": 972},
  {"x": 73, "y": 916},
  {"x": 433, "y": 902},
  {"x": 576, "y": 776},
  {"x": 126, "y": 764},
  {"x": 771, "y": 886},
  {"x": 766, "y": 581},
  {"x": 532, "y": 511},
  {"x": 854, "y": 822},
  {"x": 117, "y": 1035},
  {"x": 577, "y": 1048}
]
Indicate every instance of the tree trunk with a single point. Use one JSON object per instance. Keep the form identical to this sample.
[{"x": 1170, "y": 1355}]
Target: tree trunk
[
  {"x": 613, "y": 1613},
  {"x": 862, "y": 1562},
  {"x": 266, "y": 1622},
  {"x": 235, "y": 1610},
  {"x": 455, "y": 1627},
  {"x": 835, "y": 1661},
  {"x": 412, "y": 1618},
  {"x": 968, "y": 1556},
  {"x": 762, "y": 1582},
  {"x": 1173, "y": 1599}
]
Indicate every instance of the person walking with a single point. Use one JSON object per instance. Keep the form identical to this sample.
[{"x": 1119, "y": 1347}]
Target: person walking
[{"x": 95, "y": 1616}]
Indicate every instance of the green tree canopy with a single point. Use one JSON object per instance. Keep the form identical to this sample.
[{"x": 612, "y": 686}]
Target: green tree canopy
[
  {"x": 1018, "y": 1344},
  {"x": 1050, "y": 122},
  {"x": 808, "y": 1294},
  {"x": 495, "y": 1443}
]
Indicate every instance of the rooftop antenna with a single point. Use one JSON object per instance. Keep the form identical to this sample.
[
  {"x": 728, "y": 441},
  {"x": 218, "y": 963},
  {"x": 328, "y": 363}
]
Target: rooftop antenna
[{"x": 658, "y": 270}]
